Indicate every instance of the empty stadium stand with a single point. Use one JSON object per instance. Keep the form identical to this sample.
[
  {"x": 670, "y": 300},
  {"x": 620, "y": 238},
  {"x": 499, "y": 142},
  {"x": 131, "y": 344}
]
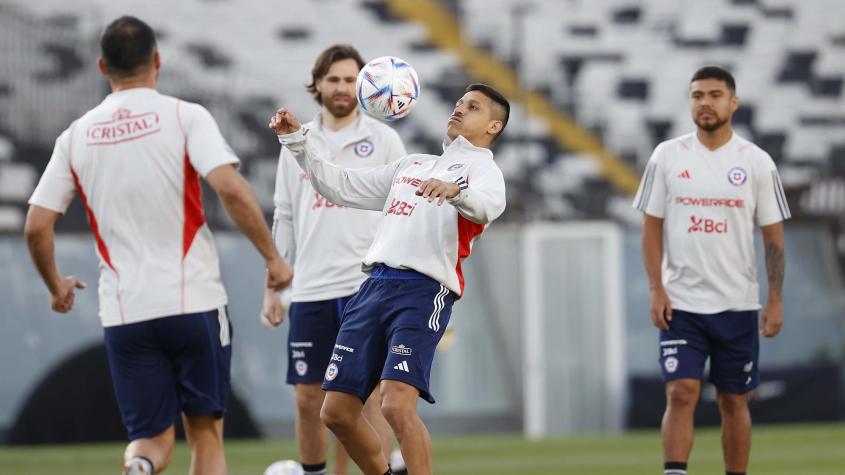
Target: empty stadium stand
[{"x": 619, "y": 68}]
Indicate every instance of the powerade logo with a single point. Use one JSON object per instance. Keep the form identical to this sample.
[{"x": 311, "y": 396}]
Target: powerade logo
[{"x": 707, "y": 226}]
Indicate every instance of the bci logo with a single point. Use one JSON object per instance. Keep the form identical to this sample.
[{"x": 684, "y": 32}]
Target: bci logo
[{"x": 707, "y": 226}]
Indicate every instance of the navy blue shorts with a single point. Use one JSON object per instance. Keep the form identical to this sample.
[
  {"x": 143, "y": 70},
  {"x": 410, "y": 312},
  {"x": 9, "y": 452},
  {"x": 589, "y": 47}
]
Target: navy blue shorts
[
  {"x": 170, "y": 365},
  {"x": 390, "y": 330},
  {"x": 313, "y": 330},
  {"x": 729, "y": 339}
]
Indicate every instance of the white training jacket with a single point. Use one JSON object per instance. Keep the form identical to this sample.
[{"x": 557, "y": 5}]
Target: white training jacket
[
  {"x": 413, "y": 234},
  {"x": 323, "y": 241}
]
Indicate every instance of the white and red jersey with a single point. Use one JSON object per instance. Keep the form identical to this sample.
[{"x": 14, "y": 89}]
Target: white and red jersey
[
  {"x": 414, "y": 234},
  {"x": 323, "y": 241},
  {"x": 710, "y": 202},
  {"x": 135, "y": 160}
]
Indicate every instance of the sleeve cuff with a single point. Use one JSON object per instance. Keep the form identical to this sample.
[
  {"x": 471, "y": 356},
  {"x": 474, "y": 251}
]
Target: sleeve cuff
[
  {"x": 459, "y": 198},
  {"x": 293, "y": 137}
]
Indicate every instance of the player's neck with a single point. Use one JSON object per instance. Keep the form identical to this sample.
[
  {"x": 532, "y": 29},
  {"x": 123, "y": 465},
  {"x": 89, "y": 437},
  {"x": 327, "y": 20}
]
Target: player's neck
[
  {"x": 336, "y": 123},
  {"x": 133, "y": 83},
  {"x": 716, "y": 138}
]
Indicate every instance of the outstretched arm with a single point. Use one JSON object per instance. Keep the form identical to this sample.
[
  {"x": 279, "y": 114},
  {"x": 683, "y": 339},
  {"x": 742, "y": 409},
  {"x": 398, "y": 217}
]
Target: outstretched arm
[
  {"x": 771, "y": 320},
  {"x": 364, "y": 188}
]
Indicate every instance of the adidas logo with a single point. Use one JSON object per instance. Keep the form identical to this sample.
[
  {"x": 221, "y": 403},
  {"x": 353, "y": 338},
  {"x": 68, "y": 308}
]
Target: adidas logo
[
  {"x": 403, "y": 366},
  {"x": 684, "y": 174}
]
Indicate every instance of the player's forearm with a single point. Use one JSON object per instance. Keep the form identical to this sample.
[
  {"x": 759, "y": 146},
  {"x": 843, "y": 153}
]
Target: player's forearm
[
  {"x": 241, "y": 205},
  {"x": 343, "y": 186},
  {"x": 652, "y": 247},
  {"x": 775, "y": 260},
  {"x": 42, "y": 249},
  {"x": 479, "y": 206}
]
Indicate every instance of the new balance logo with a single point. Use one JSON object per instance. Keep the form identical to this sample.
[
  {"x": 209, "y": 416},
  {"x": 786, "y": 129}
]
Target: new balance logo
[
  {"x": 403, "y": 366},
  {"x": 685, "y": 174}
]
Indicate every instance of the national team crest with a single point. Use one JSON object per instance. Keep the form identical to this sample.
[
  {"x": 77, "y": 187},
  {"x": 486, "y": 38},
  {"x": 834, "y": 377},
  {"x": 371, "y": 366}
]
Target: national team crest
[
  {"x": 331, "y": 372},
  {"x": 301, "y": 367},
  {"x": 364, "y": 148},
  {"x": 737, "y": 176}
]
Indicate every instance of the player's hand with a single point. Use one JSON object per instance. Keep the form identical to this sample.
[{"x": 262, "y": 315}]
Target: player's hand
[
  {"x": 274, "y": 308},
  {"x": 771, "y": 320},
  {"x": 284, "y": 122},
  {"x": 434, "y": 189},
  {"x": 661, "y": 308},
  {"x": 279, "y": 274},
  {"x": 62, "y": 299}
]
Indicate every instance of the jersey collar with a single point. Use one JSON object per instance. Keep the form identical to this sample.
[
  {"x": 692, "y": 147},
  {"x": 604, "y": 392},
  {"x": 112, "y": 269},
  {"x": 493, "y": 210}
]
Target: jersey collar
[
  {"x": 362, "y": 127},
  {"x": 464, "y": 146}
]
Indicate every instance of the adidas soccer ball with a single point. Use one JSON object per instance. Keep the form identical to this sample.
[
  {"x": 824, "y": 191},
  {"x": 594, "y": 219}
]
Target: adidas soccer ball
[
  {"x": 284, "y": 467},
  {"x": 387, "y": 88}
]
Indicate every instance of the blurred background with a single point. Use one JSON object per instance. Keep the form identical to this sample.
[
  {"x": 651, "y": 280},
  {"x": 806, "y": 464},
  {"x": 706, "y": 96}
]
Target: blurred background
[{"x": 553, "y": 337}]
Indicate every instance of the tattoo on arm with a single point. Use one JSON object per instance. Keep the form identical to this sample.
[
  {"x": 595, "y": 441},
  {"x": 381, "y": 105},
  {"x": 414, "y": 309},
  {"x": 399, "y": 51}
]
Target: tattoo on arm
[{"x": 775, "y": 267}]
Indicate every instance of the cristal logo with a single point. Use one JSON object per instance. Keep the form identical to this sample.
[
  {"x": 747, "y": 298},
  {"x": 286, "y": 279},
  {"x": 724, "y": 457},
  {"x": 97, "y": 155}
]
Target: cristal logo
[
  {"x": 707, "y": 226},
  {"x": 123, "y": 127}
]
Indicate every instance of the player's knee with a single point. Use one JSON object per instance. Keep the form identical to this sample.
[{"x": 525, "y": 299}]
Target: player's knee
[
  {"x": 732, "y": 404},
  {"x": 682, "y": 393},
  {"x": 308, "y": 404},
  {"x": 336, "y": 419},
  {"x": 397, "y": 414}
]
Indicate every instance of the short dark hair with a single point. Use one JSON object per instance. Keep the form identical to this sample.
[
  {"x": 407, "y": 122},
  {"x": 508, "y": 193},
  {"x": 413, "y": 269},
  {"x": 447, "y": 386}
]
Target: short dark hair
[
  {"x": 329, "y": 56},
  {"x": 495, "y": 96},
  {"x": 126, "y": 45},
  {"x": 715, "y": 72}
]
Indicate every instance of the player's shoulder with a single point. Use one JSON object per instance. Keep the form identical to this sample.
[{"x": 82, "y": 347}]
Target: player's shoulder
[
  {"x": 417, "y": 159},
  {"x": 186, "y": 109},
  {"x": 679, "y": 144},
  {"x": 750, "y": 150}
]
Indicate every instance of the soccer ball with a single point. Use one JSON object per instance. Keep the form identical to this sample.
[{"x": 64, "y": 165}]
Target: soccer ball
[
  {"x": 387, "y": 88},
  {"x": 284, "y": 467}
]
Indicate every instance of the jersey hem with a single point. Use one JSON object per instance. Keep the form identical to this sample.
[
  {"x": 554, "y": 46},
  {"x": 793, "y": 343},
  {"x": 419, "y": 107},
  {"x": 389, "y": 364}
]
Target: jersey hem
[
  {"x": 327, "y": 295},
  {"x": 164, "y": 313},
  {"x": 714, "y": 310}
]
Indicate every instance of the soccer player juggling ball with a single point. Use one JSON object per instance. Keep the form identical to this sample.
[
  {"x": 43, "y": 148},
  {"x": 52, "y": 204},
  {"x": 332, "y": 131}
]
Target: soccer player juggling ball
[{"x": 434, "y": 207}]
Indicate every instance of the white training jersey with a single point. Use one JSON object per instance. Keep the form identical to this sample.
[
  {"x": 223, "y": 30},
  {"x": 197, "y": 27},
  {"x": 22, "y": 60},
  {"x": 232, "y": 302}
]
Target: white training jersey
[
  {"x": 414, "y": 234},
  {"x": 135, "y": 161},
  {"x": 710, "y": 202},
  {"x": 323, "y": 241}
]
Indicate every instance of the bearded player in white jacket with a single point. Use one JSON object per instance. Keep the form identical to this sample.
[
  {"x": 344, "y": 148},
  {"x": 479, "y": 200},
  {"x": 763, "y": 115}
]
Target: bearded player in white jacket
[
  {"x": 433, "y": 208},
  {"x": 325, "y": 243}
]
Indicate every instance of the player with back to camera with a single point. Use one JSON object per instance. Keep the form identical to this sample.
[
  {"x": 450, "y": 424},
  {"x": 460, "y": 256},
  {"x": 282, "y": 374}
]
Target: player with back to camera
[
  {"x": 325, "y": 243},
  {"x": 701, "y": 195},
  {"x": 135, "y": 160},
  {"x": 433, "y": 208}
]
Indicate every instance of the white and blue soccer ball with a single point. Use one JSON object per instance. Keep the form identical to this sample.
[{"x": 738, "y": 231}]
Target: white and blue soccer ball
[
  {"x": 284, "y": 467},
  {"x": 388, "y": 88}
]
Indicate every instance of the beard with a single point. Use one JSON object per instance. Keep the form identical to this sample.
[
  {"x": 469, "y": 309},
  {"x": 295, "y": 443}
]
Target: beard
[
  {"x": 710, "y": 126},
  {"x": 340, "y": 111}
]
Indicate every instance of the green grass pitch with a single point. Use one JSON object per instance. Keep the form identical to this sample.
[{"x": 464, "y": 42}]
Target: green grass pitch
[{"x": 777, "y": 450}]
